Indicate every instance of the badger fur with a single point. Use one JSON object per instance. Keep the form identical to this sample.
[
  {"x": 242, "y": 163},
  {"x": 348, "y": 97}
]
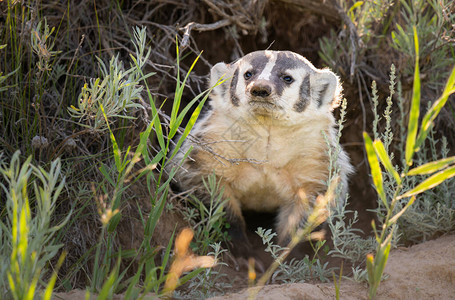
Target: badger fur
[{"x": 263, "y": 138}]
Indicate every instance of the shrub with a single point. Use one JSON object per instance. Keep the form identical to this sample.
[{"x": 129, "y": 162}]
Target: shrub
[{"x": 26, "y": 233}]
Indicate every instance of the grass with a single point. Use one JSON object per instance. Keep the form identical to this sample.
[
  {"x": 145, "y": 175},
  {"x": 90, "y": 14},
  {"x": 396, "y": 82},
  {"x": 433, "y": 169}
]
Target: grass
[
  {"x": 101, "y": 106},
  {"x": 26, "y": 232},
  {"x": 85, "y": 115},
  {"x": 124, "y": 163},
  {"x": 376, "y": 152},
  {"x": 208, "y": 221}
]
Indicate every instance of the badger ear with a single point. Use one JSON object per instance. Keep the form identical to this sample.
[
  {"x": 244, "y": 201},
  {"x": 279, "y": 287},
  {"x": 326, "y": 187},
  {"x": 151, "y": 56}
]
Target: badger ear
[
  {"x": 219, "y": 70},
  {"x": 324, "y": 87}
]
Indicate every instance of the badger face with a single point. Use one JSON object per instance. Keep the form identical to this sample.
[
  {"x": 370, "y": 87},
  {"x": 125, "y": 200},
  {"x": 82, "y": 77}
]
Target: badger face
[{"x": 276, "y": 84}]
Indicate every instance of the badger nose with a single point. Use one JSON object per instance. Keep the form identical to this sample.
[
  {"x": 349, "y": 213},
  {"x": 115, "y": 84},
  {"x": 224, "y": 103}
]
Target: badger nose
[{"x": 261, "y": 89}]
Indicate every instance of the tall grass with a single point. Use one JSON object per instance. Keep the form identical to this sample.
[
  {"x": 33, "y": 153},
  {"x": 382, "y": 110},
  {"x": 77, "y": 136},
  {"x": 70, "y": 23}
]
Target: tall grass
[
  {"x": 125, "y": 172},
  {"x": 376, "y": 151},
  {"x": 27, "y": 234},
  {"x": 100, "y": 104}
]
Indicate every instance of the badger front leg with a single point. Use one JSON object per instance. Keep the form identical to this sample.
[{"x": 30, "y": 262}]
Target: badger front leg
[
  {"x": 240, "y": 245},
  {"x": 295, "y": 215}
]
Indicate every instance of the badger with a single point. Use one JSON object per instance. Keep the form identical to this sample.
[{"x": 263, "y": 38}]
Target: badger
[{"x": 265, "y": 139}]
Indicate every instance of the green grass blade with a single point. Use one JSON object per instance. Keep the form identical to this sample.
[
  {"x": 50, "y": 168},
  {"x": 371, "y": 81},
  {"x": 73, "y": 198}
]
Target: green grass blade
[
  {"x": 50, "y": 286},
  {"x": 106, "y": 174},
  {"x": 401, "y": 212},
  {"x": 193, "y": 119},
  {"x": 180, "y": 91},
  {"x": 354, "y": 6},
  {"x": 370, "y": 270},
  {"x": 158, "y": 128},
  {"x": 156, "y": 214},
  {"x": 415, "y": 107},
  {"x": 144, "y": 136},
  {"x": 190, "y": 276},
  {"x": 153, "y": 284},
  {"x": 32, "y": 288},
  {"x": 115, "y": 147},
  {"x": 431, "y": 182},
  {"x": 176, "y": 102},
  {"x": 157, "y": 158},
  {"x": 432, "y": 167},
  {"x": 167, "y": 253},
  {"x": 155, "y": 119},
  {"x": 176, "y": 118},
  {"x": 142, "y": 148},
  {"x": 108, "y": 286},
  {"x": 385, "y": 159},
  {"x": 375, "y": 168},
  {"x": 382, "y": 257},
  {"x": 181, "y": 116},
  {"x": 132, "y": 290},
  {"x": 435, "y": 109}
]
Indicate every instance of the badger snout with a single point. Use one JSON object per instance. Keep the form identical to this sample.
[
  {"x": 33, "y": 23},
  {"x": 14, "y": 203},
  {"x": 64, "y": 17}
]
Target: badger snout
[
  {"x": 262, "y": 97},
  {"x": 261, "y": 89}
]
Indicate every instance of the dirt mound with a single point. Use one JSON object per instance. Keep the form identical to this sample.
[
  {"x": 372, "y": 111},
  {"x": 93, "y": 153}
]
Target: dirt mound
[{"x": 424, "y": 271}]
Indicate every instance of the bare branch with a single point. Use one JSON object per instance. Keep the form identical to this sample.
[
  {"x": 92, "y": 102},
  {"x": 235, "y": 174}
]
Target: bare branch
[{"x": 201, "y": 27}]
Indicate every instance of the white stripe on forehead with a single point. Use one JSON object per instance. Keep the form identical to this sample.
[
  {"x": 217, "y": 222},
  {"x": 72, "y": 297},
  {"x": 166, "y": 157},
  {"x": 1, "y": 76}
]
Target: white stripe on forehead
[{"x": 268, "y": 68}]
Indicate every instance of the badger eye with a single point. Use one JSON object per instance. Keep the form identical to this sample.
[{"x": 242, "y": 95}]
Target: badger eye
[
  {"x": 287, "y": 79},
  {"x": 247, "y": 75}
]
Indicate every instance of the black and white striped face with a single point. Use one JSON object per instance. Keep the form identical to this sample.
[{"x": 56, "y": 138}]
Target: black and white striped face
[{"x": 279, "y": 84}]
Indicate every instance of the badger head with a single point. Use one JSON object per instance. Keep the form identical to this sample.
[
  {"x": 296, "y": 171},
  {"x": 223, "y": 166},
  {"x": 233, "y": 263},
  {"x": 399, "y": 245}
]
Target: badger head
[{"x": 274, "y": 84}]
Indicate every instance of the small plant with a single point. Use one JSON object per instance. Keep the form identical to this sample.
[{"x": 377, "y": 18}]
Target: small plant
[
  {"x": 208, "y": 220},
  {"x": 431, "y": 18},
  {"x": 295, "y": 270},
  {"x": 359, "y": 275},
  {"x": 26, "y": 234},
  {"x": 347, "y": 240},
  {"x": 209, "y": 282},
  {"x": 42, "y": 47},
  {"x": 376, "y": 152},
  {"x": 375, "y": 30},
  {"x": 115, "y": 91}
]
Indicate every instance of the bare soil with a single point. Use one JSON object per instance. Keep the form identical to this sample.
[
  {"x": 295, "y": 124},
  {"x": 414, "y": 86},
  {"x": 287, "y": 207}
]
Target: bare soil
[{"x": 424, "y": 271}]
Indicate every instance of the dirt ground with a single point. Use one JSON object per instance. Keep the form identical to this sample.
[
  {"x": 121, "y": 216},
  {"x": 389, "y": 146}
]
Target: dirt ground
[{"x": 424, "y": 271}]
